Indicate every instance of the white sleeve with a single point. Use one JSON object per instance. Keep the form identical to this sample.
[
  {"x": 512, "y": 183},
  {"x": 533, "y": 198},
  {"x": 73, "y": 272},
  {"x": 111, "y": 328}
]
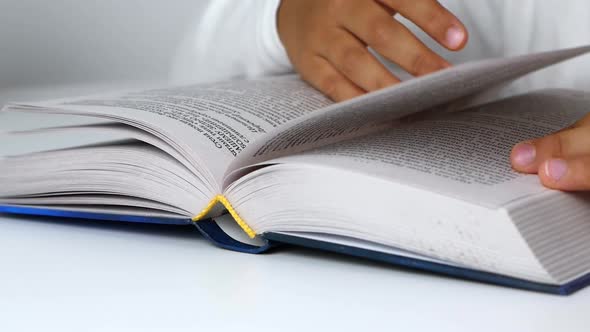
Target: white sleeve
[
  {"x": 232, "y": 39},
  {"x": 507, "y": 28}
]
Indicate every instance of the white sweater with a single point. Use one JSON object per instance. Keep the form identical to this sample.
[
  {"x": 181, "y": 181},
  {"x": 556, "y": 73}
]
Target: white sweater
[{"x": 234, "y": 39}]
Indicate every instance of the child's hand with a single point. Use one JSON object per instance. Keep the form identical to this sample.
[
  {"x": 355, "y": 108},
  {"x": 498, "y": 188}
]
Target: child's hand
[
  {"x": 562, "y": 160},
  {"x": 327, "y": 40}
]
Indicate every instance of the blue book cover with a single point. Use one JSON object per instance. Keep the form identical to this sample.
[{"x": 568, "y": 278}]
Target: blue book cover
[{"x": 214, "y": 233}]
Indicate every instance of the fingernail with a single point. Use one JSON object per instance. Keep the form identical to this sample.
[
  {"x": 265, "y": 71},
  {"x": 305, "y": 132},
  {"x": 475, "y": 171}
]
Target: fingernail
[
  {"x": 556, "y": 169},
  {"x": 524, "y": 154},
  {"x": 455, "y": 36}
]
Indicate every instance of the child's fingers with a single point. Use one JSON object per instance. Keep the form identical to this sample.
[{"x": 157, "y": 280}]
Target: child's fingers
[
  {"x": 434, "y": 19},
  {"x": 566, "y": 174},
  {"x": 307, "y": 27},
  {"x": 353, "y": 59},
  {"x": 325, "y": 77},
  {"x": 570, "y": 143},
  {"x": 374, "y": 26}
]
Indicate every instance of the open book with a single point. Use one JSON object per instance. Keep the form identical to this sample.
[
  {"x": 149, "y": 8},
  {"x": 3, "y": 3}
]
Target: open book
[{"x": 410, "y": 175}]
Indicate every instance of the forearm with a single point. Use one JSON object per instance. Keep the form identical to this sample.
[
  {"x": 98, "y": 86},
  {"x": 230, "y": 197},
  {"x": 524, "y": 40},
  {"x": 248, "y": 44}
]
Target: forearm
[{"x": 232, "y": 39}]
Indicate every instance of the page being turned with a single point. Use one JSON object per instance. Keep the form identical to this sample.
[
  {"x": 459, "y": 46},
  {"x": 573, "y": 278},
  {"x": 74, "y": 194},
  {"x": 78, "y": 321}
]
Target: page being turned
[
  {"x": 380, "y": 110},
  {"x": 464, "y": 154}
]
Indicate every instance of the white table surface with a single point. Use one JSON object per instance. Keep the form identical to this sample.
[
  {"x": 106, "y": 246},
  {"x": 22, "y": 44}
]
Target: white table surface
[{"x": 63, "y": 275}]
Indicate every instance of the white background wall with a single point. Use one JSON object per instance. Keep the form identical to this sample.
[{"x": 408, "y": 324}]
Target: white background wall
[{"x": 68, "y": 41}]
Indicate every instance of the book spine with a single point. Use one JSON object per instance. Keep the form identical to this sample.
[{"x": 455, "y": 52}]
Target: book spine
[{"x": 222, "y": 200}]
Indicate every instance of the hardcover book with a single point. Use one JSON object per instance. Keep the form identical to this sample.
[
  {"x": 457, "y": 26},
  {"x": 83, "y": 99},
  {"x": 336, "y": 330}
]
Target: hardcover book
[{"x": 416, "y": 175}]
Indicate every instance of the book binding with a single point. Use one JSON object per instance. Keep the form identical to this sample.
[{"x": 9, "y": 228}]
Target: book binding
[{"x": 222, "y": 200}]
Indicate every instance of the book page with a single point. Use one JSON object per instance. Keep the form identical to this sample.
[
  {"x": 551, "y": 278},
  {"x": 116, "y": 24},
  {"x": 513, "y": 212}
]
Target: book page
[
  {"x": 379, "y": 110},
  {"x": 464, "y": 154},
  {"x": 210, "y": 124}
]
